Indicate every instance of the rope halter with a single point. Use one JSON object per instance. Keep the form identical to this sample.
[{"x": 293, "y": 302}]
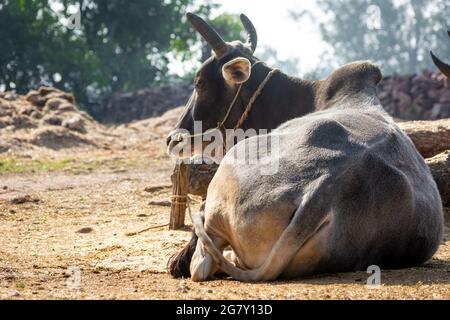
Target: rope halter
[{"x": 221, "y": 125}]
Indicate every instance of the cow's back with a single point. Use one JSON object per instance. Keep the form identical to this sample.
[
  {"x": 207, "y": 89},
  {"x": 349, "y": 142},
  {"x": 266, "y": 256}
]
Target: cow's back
[{"x": 386, "y": 205}]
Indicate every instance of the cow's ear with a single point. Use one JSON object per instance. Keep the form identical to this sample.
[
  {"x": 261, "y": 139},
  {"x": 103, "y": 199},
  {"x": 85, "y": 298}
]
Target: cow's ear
[{"x": 237, "y": 70}]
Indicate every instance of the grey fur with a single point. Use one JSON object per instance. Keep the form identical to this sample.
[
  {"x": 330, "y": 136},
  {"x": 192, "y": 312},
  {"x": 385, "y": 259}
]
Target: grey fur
[{"x": 353, "y": 172}]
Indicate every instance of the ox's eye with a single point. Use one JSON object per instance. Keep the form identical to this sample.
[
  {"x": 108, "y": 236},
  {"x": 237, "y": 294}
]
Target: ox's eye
[{"x": 199, "y": 84}]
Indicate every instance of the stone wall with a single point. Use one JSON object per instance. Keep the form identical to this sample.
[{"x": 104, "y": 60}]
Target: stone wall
[{"x": 423, "y": 96}]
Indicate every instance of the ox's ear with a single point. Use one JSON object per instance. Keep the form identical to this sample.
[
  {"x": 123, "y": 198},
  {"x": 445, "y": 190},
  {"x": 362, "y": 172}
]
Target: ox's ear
[{"x": 237, "y": 70}]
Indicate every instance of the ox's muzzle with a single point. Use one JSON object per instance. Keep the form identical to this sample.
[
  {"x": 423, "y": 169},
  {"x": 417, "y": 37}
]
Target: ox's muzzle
[
  {"x": 177, "y": 142},
  {"x": 182, "y": 145}
]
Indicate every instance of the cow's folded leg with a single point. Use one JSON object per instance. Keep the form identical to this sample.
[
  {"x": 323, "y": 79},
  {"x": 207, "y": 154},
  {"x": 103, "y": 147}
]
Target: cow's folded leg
[
  {"x": 203, "y": 265},
  {"x": 308, "y": 219},
  {"x": 232, "y": 257}
]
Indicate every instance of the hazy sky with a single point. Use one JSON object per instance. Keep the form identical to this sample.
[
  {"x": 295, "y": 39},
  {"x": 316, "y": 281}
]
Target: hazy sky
[{"x": 276, "y": 28}]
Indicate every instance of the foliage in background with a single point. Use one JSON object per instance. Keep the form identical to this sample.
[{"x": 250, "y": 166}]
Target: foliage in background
[
  {"x": 269, "y": 55},
  {"x": 400, "y": 41},
  {"x": 229, "y": 27},
  {"x": 121, "y": 45},
  {"x": 125, "y": 45},
  {"x": 34, "y": 47}
]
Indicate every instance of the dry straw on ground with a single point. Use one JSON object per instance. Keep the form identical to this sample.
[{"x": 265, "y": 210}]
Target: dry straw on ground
[{"x": 87, "y": 208}]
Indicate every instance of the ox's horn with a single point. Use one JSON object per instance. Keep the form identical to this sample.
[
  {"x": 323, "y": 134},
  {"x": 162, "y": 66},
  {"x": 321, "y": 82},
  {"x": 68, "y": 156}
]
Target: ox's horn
[
  {"x": 214, "y": 40},
  {"x": 442, "y": 66},
  {"x": 250, "y": 28}
]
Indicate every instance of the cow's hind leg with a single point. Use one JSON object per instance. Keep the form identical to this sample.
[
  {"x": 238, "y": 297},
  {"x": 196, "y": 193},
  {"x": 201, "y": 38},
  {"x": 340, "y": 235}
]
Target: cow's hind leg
[
  {"x": 203, "y": 265},
  {"x": 194, "y": 261},
  {"x": 309, "y": 218}
]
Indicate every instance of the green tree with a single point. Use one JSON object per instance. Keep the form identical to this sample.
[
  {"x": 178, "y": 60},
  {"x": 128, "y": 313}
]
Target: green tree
[
  {"x": 35, "y": 49},
  {"x": 269, "y": 55},
  {"x": 400, "y": 41},
  {"x": 120, "y": 45}
]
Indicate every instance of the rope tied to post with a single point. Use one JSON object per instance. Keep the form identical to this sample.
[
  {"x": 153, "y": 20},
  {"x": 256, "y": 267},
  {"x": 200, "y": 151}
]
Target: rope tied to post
[{"x": 180, "y": 201}]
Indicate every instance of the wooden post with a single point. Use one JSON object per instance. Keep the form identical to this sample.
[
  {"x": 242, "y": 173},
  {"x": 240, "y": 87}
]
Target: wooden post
[{"x": 179, "y": 196}]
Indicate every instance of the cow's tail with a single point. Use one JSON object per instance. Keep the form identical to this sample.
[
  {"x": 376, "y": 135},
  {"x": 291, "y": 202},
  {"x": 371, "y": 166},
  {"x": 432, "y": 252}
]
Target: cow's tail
[
  {"x": 178, "y": 264},
  {"x": 286, "y": 247}
]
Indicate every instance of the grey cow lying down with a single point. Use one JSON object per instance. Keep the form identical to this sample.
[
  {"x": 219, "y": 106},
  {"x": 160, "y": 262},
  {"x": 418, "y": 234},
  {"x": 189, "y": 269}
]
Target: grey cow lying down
[{"x": 351, "y": 191}]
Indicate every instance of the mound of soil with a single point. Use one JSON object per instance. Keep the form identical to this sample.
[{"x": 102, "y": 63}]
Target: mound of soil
[
  {"x": 48, "y": 120},
  {"x": 45, "y": 118},
  {"x": 143, "y": 131},
  {"x": 142, "y": 104}
]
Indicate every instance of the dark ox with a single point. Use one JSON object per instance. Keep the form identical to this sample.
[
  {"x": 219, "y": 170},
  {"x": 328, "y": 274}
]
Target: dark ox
[
  {"x": 282, "y": 98},
  {"x": 442, "y": 66},
  {"x": 351, "y": 190}
]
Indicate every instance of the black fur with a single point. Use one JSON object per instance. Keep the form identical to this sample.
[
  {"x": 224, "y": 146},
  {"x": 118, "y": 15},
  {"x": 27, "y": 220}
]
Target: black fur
[{"x": 178, "y": 264}]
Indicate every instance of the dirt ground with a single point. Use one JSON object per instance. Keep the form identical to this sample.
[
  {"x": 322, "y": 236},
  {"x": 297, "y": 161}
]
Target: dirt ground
[
  {"x": 71, "y": 218},
  {"x": 71, "y": 233}
]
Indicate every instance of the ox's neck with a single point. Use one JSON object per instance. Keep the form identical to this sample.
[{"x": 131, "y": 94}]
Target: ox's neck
[{"x": 282, "y": 98}]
